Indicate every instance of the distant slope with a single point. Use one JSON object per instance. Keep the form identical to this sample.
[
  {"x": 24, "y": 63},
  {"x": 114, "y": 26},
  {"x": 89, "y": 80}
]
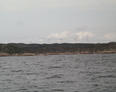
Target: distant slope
[{"x": 69, "y": 48}]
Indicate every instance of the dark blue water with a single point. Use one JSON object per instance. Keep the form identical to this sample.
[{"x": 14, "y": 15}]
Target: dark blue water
[{"x": 58, "y": 73}]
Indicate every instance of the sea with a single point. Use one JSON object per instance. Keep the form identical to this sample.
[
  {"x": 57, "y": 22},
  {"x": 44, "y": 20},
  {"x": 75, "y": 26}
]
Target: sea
[{"x": 58, "y": 73}]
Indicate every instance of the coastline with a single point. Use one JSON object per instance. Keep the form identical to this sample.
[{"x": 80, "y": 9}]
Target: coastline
[
  {"x": 22, "y": 49},
  {"x": 56, "y": 53}
]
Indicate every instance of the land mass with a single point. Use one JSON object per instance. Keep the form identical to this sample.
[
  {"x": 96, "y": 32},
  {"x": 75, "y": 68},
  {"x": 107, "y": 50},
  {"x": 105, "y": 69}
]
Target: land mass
[{"x": 21, "y": 49}]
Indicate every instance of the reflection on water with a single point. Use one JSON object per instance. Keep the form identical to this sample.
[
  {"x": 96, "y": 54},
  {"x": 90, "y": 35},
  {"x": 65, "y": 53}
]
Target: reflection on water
[{"x": 58, "y": 73}]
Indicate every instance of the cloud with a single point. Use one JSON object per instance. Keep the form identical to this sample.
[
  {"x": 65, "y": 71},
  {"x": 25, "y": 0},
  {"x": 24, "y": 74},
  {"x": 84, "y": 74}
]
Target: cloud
[
  {"x": 61, "y": 35},
  {"x": 110, "y": 36},
  {"x": 83, "y": 35},
  {"x": 68, "y": 36}
]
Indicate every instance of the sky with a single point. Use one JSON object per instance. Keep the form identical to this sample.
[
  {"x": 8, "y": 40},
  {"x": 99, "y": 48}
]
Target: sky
[{"x": 57, "y": 21}]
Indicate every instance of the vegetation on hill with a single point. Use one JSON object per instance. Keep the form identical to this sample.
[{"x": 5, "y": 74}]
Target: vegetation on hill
[{"x": 20, "y": 48}]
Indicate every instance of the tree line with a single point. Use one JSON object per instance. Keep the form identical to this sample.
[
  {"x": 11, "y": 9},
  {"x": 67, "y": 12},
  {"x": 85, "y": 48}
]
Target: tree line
[{"x": 13, "y": 48}]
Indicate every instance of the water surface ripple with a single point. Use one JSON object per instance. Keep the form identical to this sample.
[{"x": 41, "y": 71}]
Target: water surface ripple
[{"x": 58, "y": 73}]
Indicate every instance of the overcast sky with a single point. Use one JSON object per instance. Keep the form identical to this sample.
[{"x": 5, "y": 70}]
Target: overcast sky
[{"x": 57, "y": 21}]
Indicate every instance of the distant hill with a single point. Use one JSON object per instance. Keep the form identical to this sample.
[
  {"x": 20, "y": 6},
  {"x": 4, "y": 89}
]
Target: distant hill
[{"x": 64, "y": 48}]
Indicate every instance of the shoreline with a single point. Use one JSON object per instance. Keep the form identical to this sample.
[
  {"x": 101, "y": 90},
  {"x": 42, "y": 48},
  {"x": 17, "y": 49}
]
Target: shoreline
[
  {"x": 22, "y": 49},
  {"x": 58, "y": 53}
]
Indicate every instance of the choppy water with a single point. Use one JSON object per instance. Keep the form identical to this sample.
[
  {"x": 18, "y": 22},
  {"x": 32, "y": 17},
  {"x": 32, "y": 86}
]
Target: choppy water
[{"x": 58, "y": 73}]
